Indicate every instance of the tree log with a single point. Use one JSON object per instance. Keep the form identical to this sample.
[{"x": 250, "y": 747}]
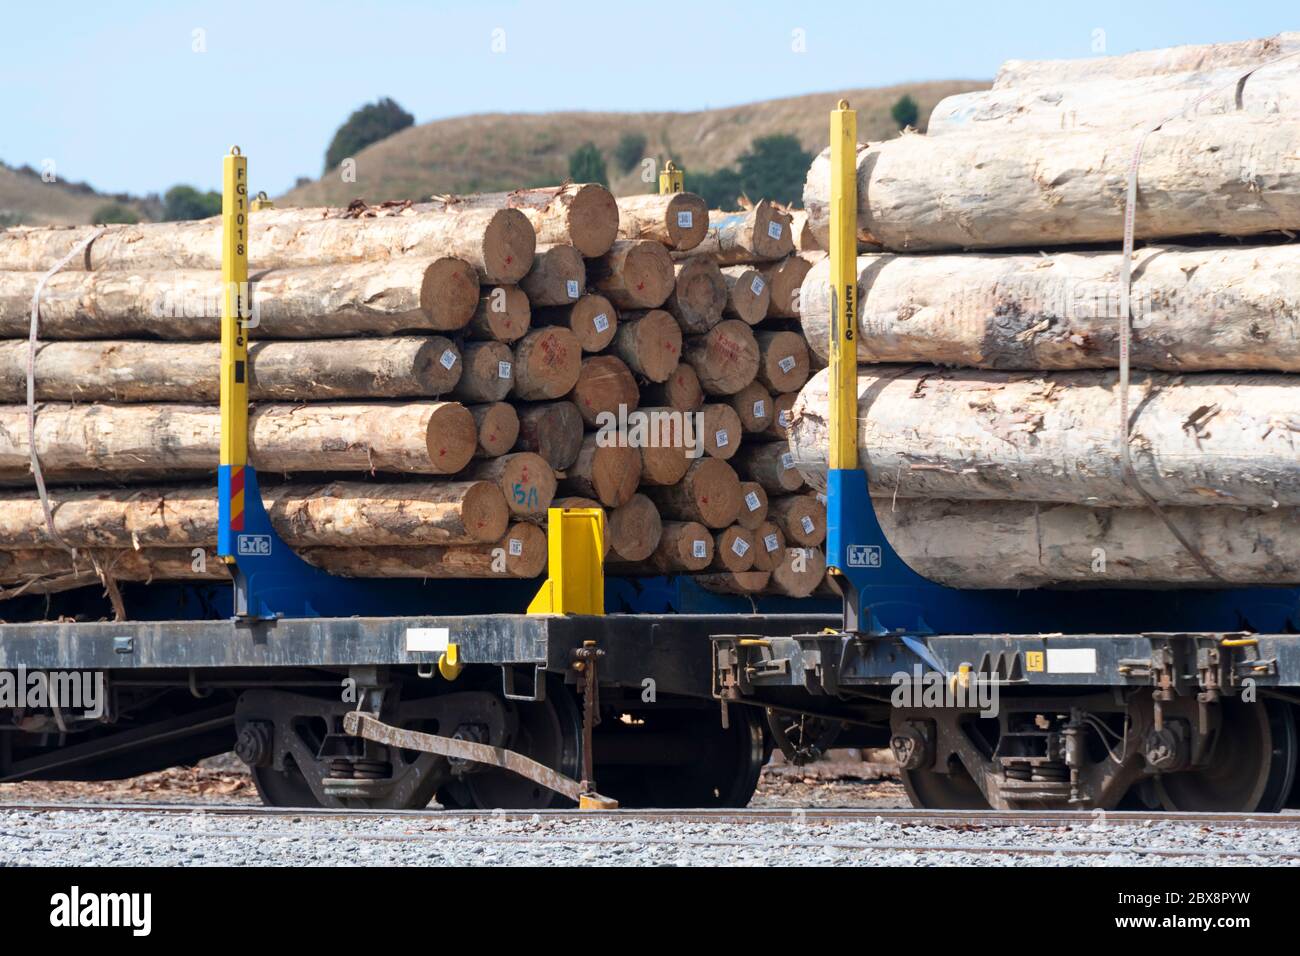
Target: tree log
[
  {"x": 487, "y": 372},
  {"x": 743, "y": 583},
  {"x": 683, "y": 546},
  {"x": 1193, "y": 309},
  {"x": 605, "y": 387},
  {"x": 753, "y": 405},
  {"x": 664, "y": 452},
  {"x": 521, "y": 553},
  {"x": 801, "y": 518},
  {"x": 608, "y": 473},
  {"x": 699, "y": 294},
  {"x": 679, "y": 221},
  {"x": 525, "y": 479},
  {"x": 784, "y": 280},
  {"x": 503, "y": 314},
  {"x": 753, "y": 506},
  {"x": 498, "y": 428},
  {"x": 783, "y": 361},
  {"x": 436, "y": 438},
  {"x": 709, "y": 493},
  {"x": 552, "y": 430},
  {"x": 1053, "y": 189},
  {"x": 748, "y": 294},
  {"x": 722, "y": 431},
  {"x": 772, "y": 465},
  {"x": 769, "y": 546},
  {"x": 583, "y": 215},
  {"x": 650, "y": 343},
  {"x": 382, "y": 297},
  {"x": 558, "y": 276},
  {"x": 547, "y": 363},
  {"x": 783, "y": 416},
  {"x": 634, "y": 274},
  {"x": 681, "y": 390},
  {"x": 799, "y": 573},
  {"x": 725, "y": 358},
  {"x": 592, "y": 319},
  {"x": 634, "y": 529},
  {"x": 759, "y": 235},
  {"x": 1196, "y": 440},
  {"x": 733, "y": 549}
]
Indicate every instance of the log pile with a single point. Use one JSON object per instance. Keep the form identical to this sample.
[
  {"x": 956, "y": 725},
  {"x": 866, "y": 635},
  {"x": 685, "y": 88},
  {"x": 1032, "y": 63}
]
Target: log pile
[
  {"x": 989, "y": 308},
  {"x": 426, "y": 381}
]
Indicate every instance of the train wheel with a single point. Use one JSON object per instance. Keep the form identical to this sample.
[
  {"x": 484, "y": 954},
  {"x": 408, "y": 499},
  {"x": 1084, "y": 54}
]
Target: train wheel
[
  {"x": 931, "y": 790},
  {"x": 1252, "y": 763},
  {"x": 283, "y": 788}
]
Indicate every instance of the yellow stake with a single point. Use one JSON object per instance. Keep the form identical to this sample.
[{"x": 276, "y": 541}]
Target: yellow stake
[
  {"x": 234, "y": 310},
  {"x": 844, "y": 288},
  {"x": 671, "y": 179}
]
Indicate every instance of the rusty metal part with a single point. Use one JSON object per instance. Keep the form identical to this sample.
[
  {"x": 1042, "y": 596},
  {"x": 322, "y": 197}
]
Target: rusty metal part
[{"x": 585, "y": 659}]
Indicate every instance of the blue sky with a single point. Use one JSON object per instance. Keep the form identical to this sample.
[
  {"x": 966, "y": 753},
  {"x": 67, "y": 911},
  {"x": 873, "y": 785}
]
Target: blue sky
[{"x": 116, "y": 95}]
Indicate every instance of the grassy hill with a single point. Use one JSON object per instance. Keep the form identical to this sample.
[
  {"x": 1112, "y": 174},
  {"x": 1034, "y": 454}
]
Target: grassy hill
[
  {"x": 28, "y": 200},
  {"x": 501, "y": 151}
]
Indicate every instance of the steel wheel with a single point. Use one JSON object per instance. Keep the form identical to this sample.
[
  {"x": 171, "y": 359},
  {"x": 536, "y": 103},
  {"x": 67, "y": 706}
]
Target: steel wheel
[
  {"x": 283, "y": 788},
  {"x": 1252, "y": 763},
  {"x": 931, "y": 790}
]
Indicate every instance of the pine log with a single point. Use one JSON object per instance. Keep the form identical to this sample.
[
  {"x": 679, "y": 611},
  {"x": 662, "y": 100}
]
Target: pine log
[
  {"x": 503, "y": 314},
  {"x": 605, "y": 389},
  {"x": 608, "y": 473},
  {"x": 381, "y": 297},
  {"x": 799, "y": 573},
  {"x": 487, "y": 372},
  {"x": 699, "y": 294},
  {"x": 552, "y": 430},
  {"x": 783, "y": 360},
  {"x": 743, "y": 583},
  {"x": 650, "y": 343},
  {"x": 436, "y": 438},
  {"x": 753, "y": 405},
  {"x": 47, "y": 571},
  {"x": 592, "y": 319},
  {"x": 634, "y": 274},
  {"x": 753, "y": 506},
  {"x": 769, "y": 546},
  {"x": 801, "y": 518},
  {"x": 526, "y": 480},
  {"x": 709, "y": 493},
  {"x": 1052, "y": 189},
  {"x": 681, "y": 390},
  {"x": 748, "y": 294},
  {"x": 722, "y": 430},
  {"x": 634, "y": 529},
  {"x": 547, "y": 362},
  {"x": 314, "y": 370},
  {"x": 804, "y": 240},
  {"x": 498, "y": 428},
  {"x": 665, "y": 455},
  {"x": 558, "y": 276},
  {"x": 1193, "y": 309},
  {"x": 761, "y": 234},
  {"x": 725, "y": 358},
  {"x": 783, "y": 417},
  {"x": 679, "y": 221},
  {"x": 1196, "y": 440},
  {"x": 784, "y": 280},
  {"x": 683, "y": 546},
  {"x": 499, "y": 244},
  {"x": 733, "y": 549},
  {"x": 583, "y": 215},
  {"x": 521, "y": 553},
  {"x": 772, "y": 465}
]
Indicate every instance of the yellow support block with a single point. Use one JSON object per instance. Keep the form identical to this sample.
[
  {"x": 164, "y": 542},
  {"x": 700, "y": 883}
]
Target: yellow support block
[
  {"x": 575, "y": 582},
  {"x": 843, "y": 354},
  {"x": 671, "y": 179},
  {"x": 235, "y": 309}
]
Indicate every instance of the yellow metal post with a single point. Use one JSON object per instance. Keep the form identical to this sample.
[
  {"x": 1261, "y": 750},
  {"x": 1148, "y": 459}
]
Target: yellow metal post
[
  {"x": 234, "y": 337},
  {"x": 575, "y": 583},
  {"x": 671, "y": 179},
  {"x": 843, "y": 353}
]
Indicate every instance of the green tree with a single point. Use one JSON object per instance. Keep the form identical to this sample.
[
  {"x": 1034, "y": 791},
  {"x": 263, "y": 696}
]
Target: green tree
[
  {"x": 905, "y": 112},
  {"x": 114, "y": 212},
  {"x": 186, "y": 202},
  {"x": 586, "y": 165},
  {"x": 719, "y": 189},
  {"x": 370, "y": 124},
  {"x": 629, "y": 151},
  {"x": 774, "y": 167}
]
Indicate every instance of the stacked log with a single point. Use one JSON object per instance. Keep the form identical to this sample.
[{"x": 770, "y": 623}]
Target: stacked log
[{"x": 989, "y": 328}]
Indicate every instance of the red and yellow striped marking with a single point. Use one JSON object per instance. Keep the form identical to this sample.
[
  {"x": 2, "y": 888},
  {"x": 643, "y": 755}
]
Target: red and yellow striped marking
[{"x": 237, "y": 499}]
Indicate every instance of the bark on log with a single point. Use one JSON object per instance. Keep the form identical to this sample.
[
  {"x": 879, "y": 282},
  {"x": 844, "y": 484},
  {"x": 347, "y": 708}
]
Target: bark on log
[
  {"x": 759, "y": 235},
  {"x": 546, "y": 364},
  {"x": 748, "y": 294},
  {"x": 634, "y": 274},
  {"x": 722, "y": 431},
  {"x": 772, "y": 465},
  {"x": 552, "y": 430},
  {"x": 558, "y": 276},
  {"x": 1194, "y": 309},
  {"x": 498, "y": 428},
  {"x": 127, "y": 440},
  {"x": 633, "y": 529},
  {"x": 699, "y": 294},
  {"x": 769, "y": 546},
  {"x": 498, "y": 243},
  {"x": 503, "y": 314},
  {"x": 799, "y": 573},
  {"x": 733, "y": 549},
  {"x": 681, "y": 390},
  {"x": 608, "y": 473},
  {"x": 650, "y": 343},
  {"x": 583, "y": 215},
  {"x": 605, "y": 387},
  {"x": 743, "y": 584},
  {"x": 48, "y": 571},
  {"x": 753, "y": 506},
  {"x": 679, "y": 221},
  {"x": 1196, "y": 440},
  {"x": 801, "y": 518},
  {"x": 314, "y": 370},
  {"x": 521, "y": 553},
  {"x": 784, "y": 280},
  {"x": 1052, "y": 189},
  {"x": 382, "y": 297},
  {"x": 526, "y": 480},
  {"x": 592, "y": 319},
  {"x": 487, "y": 372},
  {"x": 753, "y": 405},
  {"x": 725, "y": 358},
  {"x": 709, "y": 493},
  {"x": 783, "y": 361}
]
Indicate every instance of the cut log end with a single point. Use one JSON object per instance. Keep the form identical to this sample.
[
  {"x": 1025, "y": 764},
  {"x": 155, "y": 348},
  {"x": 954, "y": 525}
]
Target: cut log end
[
  {"x": 449, "y": 293},
  {"x": 498, "y": 428},
  {"x": 509, "y": 244}
]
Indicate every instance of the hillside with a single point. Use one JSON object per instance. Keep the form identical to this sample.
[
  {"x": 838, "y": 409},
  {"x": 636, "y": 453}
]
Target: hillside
[
  {"x": 499, "y": 151},
  {"x": 25, "y": 198}
]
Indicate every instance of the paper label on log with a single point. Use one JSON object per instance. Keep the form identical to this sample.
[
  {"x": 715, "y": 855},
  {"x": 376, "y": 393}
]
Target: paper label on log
[
  {"x": 752, "y": 502},
  {"x": 448, "y": 359},
  {"x": 699, "y": 548},
  {"x": 572, "y": 286},
  {"x": 757, "y": 285},
  {"x": 516, "y": 547},
  {"x": 770, "y": 542},
  {"x": 427, "y": 639},
  {"x": 1071, "y": 660},
  {"x": 740, "y": 546},
  {"x": 807, "y": 524},
  {"x": 774, "y": 230},
  {"x": 601, "y": 322},
  {"x": 760, "y": 409},
  {"x": 720, "y": 438},
  {"x": 787, "y": 460},
  {"x": 821, "y": 497},
  {"x": 685, "y": 220},
  {"x": 784, "y": 418},
  {"x": 786, "y": 364},
  {"x": 503, "y": 369}
]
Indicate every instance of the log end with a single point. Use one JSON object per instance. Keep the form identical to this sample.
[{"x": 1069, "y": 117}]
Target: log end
[
  {"x": 593, "y": 219},
  {"x": 449, "y": 293},
  {"x": 509, "y": 244}
]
